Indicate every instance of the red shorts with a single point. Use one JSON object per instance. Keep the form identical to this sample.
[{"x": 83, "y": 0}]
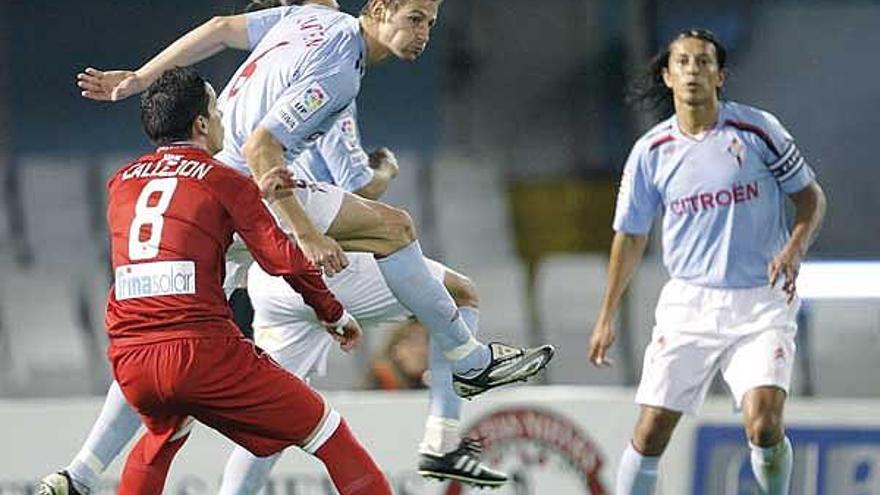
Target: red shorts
[{"x": 225, "y": 383}]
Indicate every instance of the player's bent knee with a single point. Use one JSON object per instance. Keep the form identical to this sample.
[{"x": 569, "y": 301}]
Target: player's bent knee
[
  {"x": 325, "y": 429},
  {"x": 653, "y": 431},
  {"x": 651, "y": 443},
  {"x": 399, "y": 227},
  {"x": 462, "y": 289},
  {"x": 765, "y": 430}
]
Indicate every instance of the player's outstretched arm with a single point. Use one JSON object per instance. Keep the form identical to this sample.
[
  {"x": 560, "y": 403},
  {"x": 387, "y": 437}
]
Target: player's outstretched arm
[
  {"x": 99, "y": 85},
  {"x": 626, "y": 253},
  {"x": 202, "y": 42},
  {"x": 809, "y": 204}
]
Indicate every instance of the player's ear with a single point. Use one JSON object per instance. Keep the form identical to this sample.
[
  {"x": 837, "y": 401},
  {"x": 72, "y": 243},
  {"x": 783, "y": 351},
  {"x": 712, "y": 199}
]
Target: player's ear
[
  {"x": 722, "y": 78},
  {"x": 378, "y": 9},
  {"x": 666, "y": 80},
  {"x": 200, "y": 126}
]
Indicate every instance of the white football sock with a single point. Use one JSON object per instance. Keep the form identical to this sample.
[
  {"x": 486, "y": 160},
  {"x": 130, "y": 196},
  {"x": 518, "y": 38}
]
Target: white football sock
[
  {"x": 441, "y": 435},
  {"x": 772, "y": 467},
  {"x": 115, "y": 427},
  {"x": 245, "y": 473},
  {"x": 637, "y": 474}
]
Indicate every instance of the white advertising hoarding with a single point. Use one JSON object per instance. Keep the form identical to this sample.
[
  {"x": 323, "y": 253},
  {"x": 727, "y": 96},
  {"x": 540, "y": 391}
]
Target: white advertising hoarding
[{"x": 553, "y": 440}]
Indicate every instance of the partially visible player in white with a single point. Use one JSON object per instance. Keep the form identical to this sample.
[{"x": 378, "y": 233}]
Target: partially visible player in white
[
  {"x": 720, "y": 172},
  {"x": 286, "y": 328}
]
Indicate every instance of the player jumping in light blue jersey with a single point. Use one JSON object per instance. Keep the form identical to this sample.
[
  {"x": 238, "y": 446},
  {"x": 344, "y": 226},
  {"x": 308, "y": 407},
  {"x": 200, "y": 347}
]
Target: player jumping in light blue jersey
[
  {"x": 720, "y": 173},
  {"x": 304, "y": 69}
]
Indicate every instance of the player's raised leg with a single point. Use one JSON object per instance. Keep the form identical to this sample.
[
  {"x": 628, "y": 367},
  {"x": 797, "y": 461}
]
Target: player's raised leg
[
  {"x": 388, "y": 232},
  {"x": 443, "y": 454}
]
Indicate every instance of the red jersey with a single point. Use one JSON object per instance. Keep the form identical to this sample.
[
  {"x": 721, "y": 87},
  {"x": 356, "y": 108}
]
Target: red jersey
[{"x": 171, "y": 216}]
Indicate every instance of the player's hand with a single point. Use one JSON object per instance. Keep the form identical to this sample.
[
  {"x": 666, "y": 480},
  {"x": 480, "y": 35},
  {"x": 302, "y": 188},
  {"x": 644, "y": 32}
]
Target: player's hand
[
  {"x": 347, "y": 331},
  {"x": 383, "y": 157},
  {"x": 602, "y": 340},
  {"x": 276, "y": 184},
  {"x": 324, "y": 253},
  {"x": 788, "y": 264},
  {"x": 113, "y": 85}
]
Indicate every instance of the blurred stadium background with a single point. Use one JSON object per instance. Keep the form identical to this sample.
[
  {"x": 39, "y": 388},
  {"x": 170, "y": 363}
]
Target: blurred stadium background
[{"x": 511, "y": 133}]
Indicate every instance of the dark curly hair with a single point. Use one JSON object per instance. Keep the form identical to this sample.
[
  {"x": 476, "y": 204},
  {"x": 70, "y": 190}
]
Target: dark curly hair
[
  {"x": 171, "y": 104},
  {"x": 648, "y": 89}
]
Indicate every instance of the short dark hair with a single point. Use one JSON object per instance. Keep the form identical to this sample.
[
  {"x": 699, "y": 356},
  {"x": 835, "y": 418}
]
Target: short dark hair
[
  {"x": 256, "y": 5},
  {"x": 171, "y": 104},
  {"x": 649, "y": 90}
]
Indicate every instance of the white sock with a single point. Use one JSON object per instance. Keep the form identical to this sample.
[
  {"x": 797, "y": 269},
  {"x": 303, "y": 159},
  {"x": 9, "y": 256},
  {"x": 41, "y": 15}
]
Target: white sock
[
  {"x": 114, "y": 428},
  {"x": 772, "y": 467},
  {"x": 246, "y": 473},
  {"x": 637, "y": 474},
  {"x": 441, "y": 435}
]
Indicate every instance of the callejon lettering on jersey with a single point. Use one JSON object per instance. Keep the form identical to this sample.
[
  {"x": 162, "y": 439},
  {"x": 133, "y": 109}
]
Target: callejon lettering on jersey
[
  {"x": 168, "y": 166},
  {"x": 721, "y": 198},
  {"x": 158, "y": 278}
]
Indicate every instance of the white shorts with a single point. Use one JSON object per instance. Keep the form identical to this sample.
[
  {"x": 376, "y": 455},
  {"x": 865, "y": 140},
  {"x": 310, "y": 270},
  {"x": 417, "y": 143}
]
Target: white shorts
[
  {"x": 321, "y": 203},
  {"x": 290, "y": 331},
  {"x": 748, "y": 334}
]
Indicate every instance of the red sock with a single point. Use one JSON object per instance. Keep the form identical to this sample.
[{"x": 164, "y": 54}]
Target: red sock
[
  {"x": 142, "y": 477},
  {"x": 351, "y": 468}
]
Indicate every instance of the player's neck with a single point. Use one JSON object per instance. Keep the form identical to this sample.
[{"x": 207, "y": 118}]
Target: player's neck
[
  {"x": 197, "y": 143},
  {"x": 376, "y": 51},
  {"x": 696, "y": 119}
]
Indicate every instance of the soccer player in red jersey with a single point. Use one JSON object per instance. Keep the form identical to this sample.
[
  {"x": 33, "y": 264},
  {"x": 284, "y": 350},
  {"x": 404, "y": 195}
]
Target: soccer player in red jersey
[{"x": 174, "y": 348}]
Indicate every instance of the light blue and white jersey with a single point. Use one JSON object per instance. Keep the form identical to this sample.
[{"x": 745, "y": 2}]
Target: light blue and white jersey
[
  {"x": 722, "y": 195},
  {"x": 337, "y": 157},
  {"x": 304, "y": 70}
]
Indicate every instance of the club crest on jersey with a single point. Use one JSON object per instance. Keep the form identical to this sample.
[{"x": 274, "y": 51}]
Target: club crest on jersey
[
  {"x": 310, "y": 101},
  {"x": 349, "y": 133},
  {"x": 779, "y": 354},
  {"x": 737, "y": 150}
]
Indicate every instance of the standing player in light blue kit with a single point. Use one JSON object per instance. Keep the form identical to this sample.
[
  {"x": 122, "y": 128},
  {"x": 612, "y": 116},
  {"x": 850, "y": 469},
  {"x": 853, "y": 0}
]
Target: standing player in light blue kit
[{"x": 720, "y": 172}]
